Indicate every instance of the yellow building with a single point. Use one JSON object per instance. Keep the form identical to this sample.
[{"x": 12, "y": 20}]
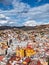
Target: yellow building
[
  {"x": 21, "y": 52},
  {"x": 25, "y": 52},
  {"x": 30, "y": 52}
]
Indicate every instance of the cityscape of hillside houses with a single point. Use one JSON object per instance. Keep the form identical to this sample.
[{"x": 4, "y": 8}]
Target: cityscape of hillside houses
[
  {"x": 24, "y": 47},
  {"x": 24, "y": 32}
]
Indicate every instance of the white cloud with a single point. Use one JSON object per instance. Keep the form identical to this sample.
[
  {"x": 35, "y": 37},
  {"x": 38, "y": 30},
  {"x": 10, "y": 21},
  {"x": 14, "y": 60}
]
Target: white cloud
[
  {"x": 7, "y": 18},
  {"x": 16, "y": 12},
  {"x": 11, "y": 22},
  {"x": 2, "y": 16},
  {"x": 31, "y": 23},
  {"x": 3, "y": 21},
  {"x": 34, "y": 23},
  {"x": 23, "y": 12},
  {"x": 20, "y": 6},
  {"x": 40, "y": 12}
]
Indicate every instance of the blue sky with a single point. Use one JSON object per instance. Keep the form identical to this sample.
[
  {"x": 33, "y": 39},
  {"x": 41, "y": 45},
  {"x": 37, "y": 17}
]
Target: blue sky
[{"x": 24, "y": 12}]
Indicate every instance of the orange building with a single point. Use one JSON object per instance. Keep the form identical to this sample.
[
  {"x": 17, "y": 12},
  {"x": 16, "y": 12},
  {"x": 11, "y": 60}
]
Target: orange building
[{"x": 30, "y": 52}]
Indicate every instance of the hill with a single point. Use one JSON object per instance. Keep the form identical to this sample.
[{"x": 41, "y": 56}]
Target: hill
[{"x": 25, "y": 28}]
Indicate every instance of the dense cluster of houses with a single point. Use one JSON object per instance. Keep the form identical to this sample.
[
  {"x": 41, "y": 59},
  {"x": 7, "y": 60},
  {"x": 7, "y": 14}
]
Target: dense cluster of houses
[{"x": 24, "y": 48}]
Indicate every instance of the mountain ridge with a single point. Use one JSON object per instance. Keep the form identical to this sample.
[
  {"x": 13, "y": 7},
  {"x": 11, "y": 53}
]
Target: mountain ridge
[{"x": 24, "y": 27}]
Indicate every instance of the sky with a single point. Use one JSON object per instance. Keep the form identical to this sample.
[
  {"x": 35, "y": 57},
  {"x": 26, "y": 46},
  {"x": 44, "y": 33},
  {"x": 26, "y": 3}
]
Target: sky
[{"x": 24, "y": 12}]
